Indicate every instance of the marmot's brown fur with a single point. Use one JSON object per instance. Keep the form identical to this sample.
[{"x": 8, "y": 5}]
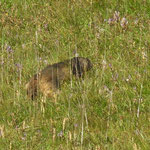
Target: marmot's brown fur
[{"x": 49, "y": 79}]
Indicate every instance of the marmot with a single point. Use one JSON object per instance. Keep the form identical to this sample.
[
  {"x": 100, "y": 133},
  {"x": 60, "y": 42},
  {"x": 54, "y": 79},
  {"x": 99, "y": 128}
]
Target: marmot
[{"x": 49, "y": 79}]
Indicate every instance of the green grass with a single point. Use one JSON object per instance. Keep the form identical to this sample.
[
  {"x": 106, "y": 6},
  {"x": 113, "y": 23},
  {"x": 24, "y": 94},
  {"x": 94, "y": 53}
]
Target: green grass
[{"x": 109, "y": 109}]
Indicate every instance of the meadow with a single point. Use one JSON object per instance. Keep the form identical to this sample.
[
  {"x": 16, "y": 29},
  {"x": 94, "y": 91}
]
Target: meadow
[{"x": 107, "y": 110}]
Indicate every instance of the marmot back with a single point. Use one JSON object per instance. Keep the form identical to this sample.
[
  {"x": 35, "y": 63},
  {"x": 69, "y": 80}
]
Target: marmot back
[{"x": 49, "y": 79}]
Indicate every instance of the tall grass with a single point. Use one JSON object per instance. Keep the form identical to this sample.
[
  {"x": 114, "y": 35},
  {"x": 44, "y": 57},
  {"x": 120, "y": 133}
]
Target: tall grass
[{"x": 109, "y": 108}]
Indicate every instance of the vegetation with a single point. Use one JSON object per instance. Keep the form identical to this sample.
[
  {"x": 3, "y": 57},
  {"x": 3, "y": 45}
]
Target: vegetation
[{"x": 110, "y": 108}]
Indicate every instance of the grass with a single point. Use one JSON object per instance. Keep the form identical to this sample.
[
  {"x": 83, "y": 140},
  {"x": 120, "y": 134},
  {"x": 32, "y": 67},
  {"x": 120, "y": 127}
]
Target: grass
[{"x": 109, "y": 109}]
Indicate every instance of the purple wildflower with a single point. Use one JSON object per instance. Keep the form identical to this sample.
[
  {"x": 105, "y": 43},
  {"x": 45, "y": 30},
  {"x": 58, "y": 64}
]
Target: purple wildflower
[
  {"x": 105, "y": 20},
  {"x": 24, "y": 134},
  {"x": 46, "y": 26},
  {"x": 110, "y": 65},
  {"x": 116, "y": 16},
  {"x": 75, "y": 125},
  {"x": 17, "y": 127},
  {"x": 111, "y": 21},
  {"x": 19, "y": 67},
  {"x": 9, "y": 49},
  {"x": 39, "y": 59},
  {"x": 123, "y": 22},
  {"x": 115, "y": 19},
  {"x": 106, "y": 88},
  {"x": 60, "y": 134}
]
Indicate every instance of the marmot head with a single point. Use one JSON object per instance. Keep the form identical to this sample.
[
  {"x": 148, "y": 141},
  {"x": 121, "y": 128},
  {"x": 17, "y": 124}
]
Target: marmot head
[{"x": 80, "y": 65}]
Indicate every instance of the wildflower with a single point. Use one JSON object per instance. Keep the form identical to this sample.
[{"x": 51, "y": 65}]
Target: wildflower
[
  {"x": 23, "y": 138},
  {"x": 9, "y": 49},
  {"x": 136, "y": 21},
  {"x": 39, "y": 59},
  {"x": 116, "y": 16},
  {"x": 17, "y": 127},
  {"x": 115, "y": 19},
  {"x": 129, "y": 77},
  {"x": 104, "y": 64},
  {"x": 110, "y": 21},
  {"x": 134, "y": 88},
  {"x": 75, "y": 125},
  {"x": 46, "y": 26},
  {"x": 123, "y": 22},
  {"x": 144, "y": 55},
  {"x": 106, "y": 88},
  {"x": 24, "y": 134},
  {"x": 45, "y": 61},
  {"x": 110, "y": 65},
  {"x": 75, "y": 53},
  {"x": 19, "y": 67},
  {"x": 60, "y": 134},
  {"x": 105, "y": 20}
]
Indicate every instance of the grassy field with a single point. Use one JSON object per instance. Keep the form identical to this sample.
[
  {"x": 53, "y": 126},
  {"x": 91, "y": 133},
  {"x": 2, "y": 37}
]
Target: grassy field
[{"x": 110, "y": 108}]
